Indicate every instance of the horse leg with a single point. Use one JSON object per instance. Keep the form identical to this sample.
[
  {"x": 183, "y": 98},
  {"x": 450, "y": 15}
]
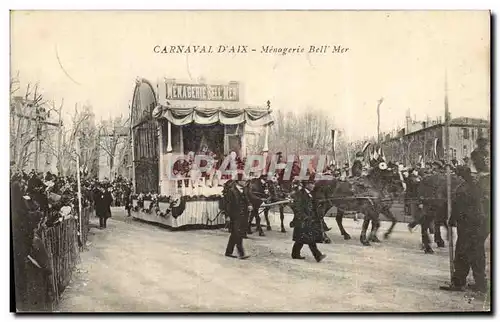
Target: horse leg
[
  {"x": 266, "y": 216},
  {"x": 282, "y": 218},
  {"x": 426, "y": 242},
  {"x": 438, "y": 239},
  {"x": 387, "y": 212},
  {"x": 250, "y": 219},
  {"x": 338, "y": 219},
  {"x": 257, "y": 222},
  {"x": 373, "y": 234},
  {"x": 364, "y": 228}
]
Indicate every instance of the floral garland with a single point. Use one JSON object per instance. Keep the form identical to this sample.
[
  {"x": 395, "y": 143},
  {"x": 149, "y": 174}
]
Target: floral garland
[
  {"x": 154, "y": 207},
  {"x": 168, "y": 199},
  {"x": 202, "y": 198},
  {"x": 155, "y": 199}
]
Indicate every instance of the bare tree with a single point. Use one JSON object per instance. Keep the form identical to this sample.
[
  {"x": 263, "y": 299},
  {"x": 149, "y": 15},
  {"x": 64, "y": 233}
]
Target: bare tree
[
  {"x": 113, "y": 140},
  {"x": 308, "y": 132},
  {"x": 86, "y": 135},
  {"x": 28, "y": 122}
]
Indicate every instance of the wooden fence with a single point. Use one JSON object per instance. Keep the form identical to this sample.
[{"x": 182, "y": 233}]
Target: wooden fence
[
  {"x": 43, "y": 288},
  {"x": 86, "y": 213}
]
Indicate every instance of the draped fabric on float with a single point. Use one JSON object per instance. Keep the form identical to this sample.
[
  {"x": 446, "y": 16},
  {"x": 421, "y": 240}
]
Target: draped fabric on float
[{"x": 253, "y": 116}]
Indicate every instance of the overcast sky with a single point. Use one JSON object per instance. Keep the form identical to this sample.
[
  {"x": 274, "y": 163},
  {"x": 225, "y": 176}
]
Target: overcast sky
[{"x": 401, "y": 56}]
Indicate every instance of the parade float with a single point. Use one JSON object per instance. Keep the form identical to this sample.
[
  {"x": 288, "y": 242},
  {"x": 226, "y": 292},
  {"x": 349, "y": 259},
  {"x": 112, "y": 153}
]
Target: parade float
[{"x": 174, "y": 120}]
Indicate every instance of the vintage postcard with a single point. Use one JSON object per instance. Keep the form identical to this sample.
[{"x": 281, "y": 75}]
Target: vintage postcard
[{"x": 250, "y": 161}]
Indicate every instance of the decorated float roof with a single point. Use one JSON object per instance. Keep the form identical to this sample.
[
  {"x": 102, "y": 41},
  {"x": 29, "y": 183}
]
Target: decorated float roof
[
  {"x": 203, "y": 104},
  {"x": 253, "y": 116}
]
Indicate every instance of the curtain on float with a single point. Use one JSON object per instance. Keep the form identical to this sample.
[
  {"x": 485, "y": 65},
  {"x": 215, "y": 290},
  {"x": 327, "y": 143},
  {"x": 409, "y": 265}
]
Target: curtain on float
[{"x": 253, "y": 116}]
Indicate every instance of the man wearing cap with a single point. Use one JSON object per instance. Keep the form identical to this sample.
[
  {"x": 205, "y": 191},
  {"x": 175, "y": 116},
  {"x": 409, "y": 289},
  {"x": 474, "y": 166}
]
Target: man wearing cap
[
  {"x": 280, "y": 172},
  {"x": 481, "y": 156},
  {"x": 105, "y": 199},
  {"x": 127, "y": 196},
  {"x": 345, "y": 172},
  {"x": 471, "y": 215},
  {"x": 307, "y": 226},
  {"x": 239, "y": 208},
  {"x": 437, "y": 166},
  {"x": 412, "y": 179}
]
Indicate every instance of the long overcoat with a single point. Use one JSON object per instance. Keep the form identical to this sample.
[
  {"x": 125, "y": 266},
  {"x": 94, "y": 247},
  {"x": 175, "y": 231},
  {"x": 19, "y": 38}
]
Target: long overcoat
[
  {"x": 236, "y": 206},
  {"x": 307, "y": 224},
  {"x": 127, "y": 193},
  {"x": 103, "y": 204}
]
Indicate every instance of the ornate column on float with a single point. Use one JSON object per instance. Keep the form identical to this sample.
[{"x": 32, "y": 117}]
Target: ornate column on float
[
  {"x": 161, "y": 168},
  {"x": 265, "y": 150},
  {"x": 164, "y": 159},
  {"x": 160, "y": 142},
  {"x": 169, "y": 158}
]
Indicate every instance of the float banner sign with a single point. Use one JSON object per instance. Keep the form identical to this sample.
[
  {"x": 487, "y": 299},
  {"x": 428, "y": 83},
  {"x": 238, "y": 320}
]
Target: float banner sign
[{"x": 202, "y": 92}]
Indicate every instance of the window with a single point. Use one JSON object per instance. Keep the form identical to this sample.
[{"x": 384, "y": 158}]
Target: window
[
  {"x": 479, "y": 132},
  {"x": 465, "y": 133}
]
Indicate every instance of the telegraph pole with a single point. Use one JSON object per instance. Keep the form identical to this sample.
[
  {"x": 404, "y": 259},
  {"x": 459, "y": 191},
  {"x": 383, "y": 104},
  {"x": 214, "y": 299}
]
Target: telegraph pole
[
  {"x": 379, "y": 102},
  {"x": 448, "y": 170},
  {"x": 37, "y": 137},
  {"x": 59, "y": 141}
]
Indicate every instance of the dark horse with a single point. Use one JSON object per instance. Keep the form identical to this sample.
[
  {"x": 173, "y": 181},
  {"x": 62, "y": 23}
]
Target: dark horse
[
  {"x": 433, "y": 204},
  {"x": 257, "y": 191},
  {"x": 371, "y": 195}
]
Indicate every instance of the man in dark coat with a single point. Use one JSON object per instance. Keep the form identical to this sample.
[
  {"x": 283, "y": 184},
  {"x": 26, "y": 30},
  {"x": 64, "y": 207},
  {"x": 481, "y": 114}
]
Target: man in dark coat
[
  {"x": 412, "y": 179},
  {"x": 238, "y": 209},
  {"x": 127, "y": 194},
  {"x": 307, "y": 226},
  {"x": 471, "y": 215},
  {"x": 357, "y": 166},
  {"x": 103, "y": 205},
  {"x": 481, "y": 156},
  {"x": 24, "y": 219}
]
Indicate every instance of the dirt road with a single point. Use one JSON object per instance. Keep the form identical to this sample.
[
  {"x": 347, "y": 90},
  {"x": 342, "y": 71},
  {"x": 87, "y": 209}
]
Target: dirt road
[{"x": 133, "y": 266}]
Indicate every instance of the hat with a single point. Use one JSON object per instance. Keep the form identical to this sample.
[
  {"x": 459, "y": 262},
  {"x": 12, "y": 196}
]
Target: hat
[
  {"x": 359, "y": 154},
  {"x": 481, "y": 139},
  {"x": 438, "y": 163}
]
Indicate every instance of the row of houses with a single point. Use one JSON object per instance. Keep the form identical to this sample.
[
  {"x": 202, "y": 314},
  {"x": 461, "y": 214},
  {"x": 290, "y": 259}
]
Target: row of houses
[{"x": 427, "y": 142}]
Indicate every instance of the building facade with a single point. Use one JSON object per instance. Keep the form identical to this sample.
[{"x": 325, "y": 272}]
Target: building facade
[{"x": 427, "y": 143}]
